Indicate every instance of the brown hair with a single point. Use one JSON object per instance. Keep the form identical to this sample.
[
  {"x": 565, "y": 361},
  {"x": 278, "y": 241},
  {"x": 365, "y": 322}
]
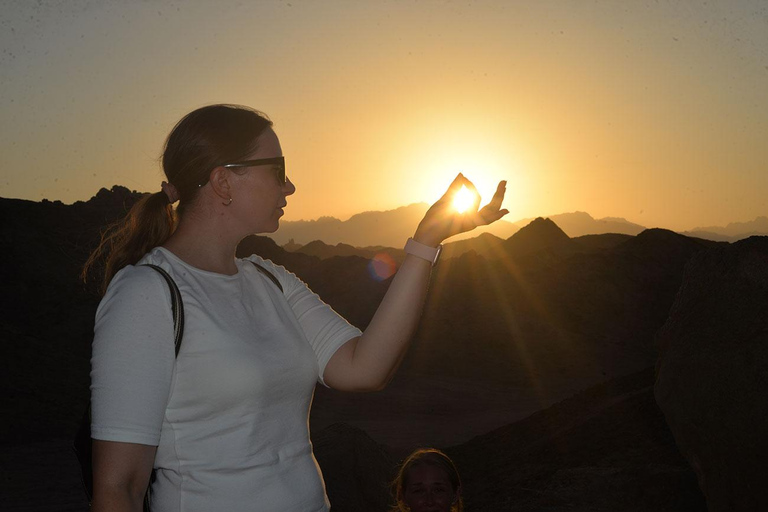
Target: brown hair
[
  {"x": 200, "y": 141},
  {"x": 431, "y": 457}
]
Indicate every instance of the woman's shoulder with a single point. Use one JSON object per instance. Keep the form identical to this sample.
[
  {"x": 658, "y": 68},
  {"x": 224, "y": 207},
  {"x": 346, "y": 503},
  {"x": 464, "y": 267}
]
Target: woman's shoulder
[
  {"x": 286, "y": 278},
  {"x": 135, "y": 287},
  {"x": 264, "y": 263},
  {"x": 160, "y": 257},
  {"x": 140, "y": 277}
]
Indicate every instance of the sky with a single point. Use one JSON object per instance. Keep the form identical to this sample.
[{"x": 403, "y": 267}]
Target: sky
[{"x": 654, "y": 111}]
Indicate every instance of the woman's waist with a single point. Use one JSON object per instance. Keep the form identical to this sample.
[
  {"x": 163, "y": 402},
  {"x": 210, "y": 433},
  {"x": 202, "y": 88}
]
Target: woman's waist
[
  {"x": 223, "y": 453},
  {"x": 284, "y": 479}
]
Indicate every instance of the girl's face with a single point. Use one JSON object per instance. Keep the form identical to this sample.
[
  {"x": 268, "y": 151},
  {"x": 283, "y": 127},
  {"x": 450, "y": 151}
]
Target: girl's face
[
  {"x": 259, "y": 198},
  {"x": 428, "y": 489}
]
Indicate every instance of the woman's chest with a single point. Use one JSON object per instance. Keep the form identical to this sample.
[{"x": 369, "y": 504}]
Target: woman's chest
[{"x": 242, "y": 353}]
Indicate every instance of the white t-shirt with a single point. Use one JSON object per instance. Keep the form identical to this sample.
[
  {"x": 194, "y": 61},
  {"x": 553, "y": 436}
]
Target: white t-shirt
[{"x": 230, "y": 415}]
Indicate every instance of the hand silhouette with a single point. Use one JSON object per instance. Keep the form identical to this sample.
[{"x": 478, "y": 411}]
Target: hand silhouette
[{"x": 442, "y": 220}]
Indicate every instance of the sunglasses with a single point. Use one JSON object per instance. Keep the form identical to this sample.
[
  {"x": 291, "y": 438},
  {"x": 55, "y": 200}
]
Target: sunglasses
[{"x": 278, "y": 163}]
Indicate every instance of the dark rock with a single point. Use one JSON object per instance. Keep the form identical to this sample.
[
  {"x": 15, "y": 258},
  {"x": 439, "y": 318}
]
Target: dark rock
[
  {"x": 356, "y": 469},
  {"x": 604, "y": 449},
  {"x": 540, "y": 234},
  {"x": 485, "y": 244},
  {"x": 713, "y": 373}
]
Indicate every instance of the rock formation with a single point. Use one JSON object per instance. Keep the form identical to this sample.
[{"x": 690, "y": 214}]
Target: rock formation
[
  {"x": 713, "y": 373},
  {"x": 355, "y": 469}
]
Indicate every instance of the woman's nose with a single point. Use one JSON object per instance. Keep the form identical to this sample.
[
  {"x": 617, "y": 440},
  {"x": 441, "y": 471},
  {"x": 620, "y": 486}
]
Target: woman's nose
[{"x": 289, "y": 188}]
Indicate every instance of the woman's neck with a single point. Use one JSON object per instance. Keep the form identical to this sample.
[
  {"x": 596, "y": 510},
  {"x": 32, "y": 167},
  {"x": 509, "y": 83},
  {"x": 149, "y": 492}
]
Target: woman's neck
[{"x": 204, "y": 246}]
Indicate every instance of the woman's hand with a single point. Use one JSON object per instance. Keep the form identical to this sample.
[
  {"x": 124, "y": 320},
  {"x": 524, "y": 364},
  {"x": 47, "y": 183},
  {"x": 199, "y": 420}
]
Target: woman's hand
[{"x": 442, "y": 220}]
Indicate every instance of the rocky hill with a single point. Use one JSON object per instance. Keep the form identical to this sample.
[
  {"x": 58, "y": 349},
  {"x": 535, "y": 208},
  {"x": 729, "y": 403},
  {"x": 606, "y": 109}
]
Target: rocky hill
[
  {"x": 712, "y": 371},
  {"x": 507, "y": 331}
]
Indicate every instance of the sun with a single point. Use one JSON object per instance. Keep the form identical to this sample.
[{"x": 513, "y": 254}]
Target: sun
[{"x": 463, "y": 199}]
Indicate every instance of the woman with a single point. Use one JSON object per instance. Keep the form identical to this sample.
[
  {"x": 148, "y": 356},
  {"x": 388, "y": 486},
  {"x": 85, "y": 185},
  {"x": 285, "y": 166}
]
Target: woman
[
  {"x": 427, "y": 482},
  {"x": 225, "y": 423}
]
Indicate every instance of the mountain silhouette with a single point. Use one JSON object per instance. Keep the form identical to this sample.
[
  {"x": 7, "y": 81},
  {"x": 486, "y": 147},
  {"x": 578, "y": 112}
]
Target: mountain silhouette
[
  {"x": 323, "y": 251},
  {"x": 733, "y": 232},
  {"x": 540, "y": 234},
  {"x": 485, "y": 243},
  {"x": 577, "y": 224},
  {"x": 389, "y": 228},
  {"x": 507, "y": 330}
]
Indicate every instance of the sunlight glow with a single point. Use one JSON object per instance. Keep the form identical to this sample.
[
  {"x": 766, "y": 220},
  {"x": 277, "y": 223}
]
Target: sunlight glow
[{"x": 463, "y": 199}]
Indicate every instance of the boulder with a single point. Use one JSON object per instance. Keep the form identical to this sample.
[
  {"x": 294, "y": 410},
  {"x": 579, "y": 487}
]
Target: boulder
[
  {"x": 712, "y": 373},
  {"x": 355, "y": 468}
]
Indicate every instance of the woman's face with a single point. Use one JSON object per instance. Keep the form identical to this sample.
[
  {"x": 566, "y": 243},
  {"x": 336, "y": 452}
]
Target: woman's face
[
  {"x": 428, "y": 489},
  {"x": 258, "y": 198}
]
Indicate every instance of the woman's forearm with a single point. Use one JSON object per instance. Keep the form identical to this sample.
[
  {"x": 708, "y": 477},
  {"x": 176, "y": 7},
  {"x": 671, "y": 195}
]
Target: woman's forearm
[
  {"x": 368, "y": 363},
  {"x": 384, "y": 343}
]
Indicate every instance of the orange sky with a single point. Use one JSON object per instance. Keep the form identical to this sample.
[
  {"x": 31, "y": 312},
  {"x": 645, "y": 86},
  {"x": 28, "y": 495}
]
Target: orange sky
[{"x": 652, "y": 111}]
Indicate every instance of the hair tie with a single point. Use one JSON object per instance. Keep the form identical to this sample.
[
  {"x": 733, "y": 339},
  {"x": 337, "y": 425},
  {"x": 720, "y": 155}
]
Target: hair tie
[{"x": 170, "y": 192}]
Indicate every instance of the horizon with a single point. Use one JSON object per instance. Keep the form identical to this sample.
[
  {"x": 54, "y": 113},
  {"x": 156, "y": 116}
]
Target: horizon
[
  {"x": 647, "y": 112},
  {"x": 467, "y": 235}
]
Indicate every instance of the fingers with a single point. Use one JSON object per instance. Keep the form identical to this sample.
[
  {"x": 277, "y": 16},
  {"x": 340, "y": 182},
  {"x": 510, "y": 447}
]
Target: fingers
[
  {"x": 492, "y": 211},
  {"x": 498, "y": 196}
]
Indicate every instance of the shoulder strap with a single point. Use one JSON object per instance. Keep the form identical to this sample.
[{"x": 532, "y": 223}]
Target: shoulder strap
[
  {"x": 82, "y": 443},
  {"x": 269, "y": 274},
  {"x": 177, "y": 306}
]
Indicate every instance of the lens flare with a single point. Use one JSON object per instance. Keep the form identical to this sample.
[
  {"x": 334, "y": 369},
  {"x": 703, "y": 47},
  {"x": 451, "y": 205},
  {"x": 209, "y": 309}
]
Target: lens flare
[
  {"x": 381, "y": 267},
  {"x": 463, "y": 199}
]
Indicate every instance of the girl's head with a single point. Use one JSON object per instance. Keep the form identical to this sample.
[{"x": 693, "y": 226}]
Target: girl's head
[
  {"x": 206, "y": 138},
  {"x": 428, "y": 482}
]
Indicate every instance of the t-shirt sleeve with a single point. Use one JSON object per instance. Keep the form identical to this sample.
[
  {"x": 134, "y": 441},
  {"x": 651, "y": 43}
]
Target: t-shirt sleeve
[
  {"x": 325, "y": 329},
  {"x": 133, "y": 358}
]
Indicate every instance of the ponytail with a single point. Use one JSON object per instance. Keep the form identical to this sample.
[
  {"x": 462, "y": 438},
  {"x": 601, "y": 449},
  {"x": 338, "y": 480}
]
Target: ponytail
[
  {"x": 200, "y": 141},
  {"x": 148, "y": 224}
]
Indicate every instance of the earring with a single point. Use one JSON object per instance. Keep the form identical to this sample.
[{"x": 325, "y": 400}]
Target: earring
[{"x": 228, "y": 202}]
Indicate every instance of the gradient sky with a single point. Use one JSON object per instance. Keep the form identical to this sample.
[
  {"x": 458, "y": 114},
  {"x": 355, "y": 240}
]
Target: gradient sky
[{"x": 654, "y": 111}]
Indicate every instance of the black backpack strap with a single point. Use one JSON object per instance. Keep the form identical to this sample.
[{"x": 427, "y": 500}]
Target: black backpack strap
[
  {"x": 177, "y": 306},
  {"x": 82, "y": 444},
  {"x": 269, "y": 274}
]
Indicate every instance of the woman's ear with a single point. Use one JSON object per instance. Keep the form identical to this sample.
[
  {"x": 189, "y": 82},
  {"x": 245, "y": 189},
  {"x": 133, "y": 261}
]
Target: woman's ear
[{"x": 221, "y": 183}]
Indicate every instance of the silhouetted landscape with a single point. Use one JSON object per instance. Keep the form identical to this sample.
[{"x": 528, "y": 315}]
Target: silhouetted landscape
[{"x": 534, "y": 366}]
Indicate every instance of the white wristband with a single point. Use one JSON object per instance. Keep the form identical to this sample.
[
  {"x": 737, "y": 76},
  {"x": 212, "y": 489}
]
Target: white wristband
[{"x": 422, "y": 251}]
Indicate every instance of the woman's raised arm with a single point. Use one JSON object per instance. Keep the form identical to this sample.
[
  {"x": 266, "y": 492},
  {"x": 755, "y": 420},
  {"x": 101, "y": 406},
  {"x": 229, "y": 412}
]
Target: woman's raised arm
[{"x": 369, "y": 362}]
